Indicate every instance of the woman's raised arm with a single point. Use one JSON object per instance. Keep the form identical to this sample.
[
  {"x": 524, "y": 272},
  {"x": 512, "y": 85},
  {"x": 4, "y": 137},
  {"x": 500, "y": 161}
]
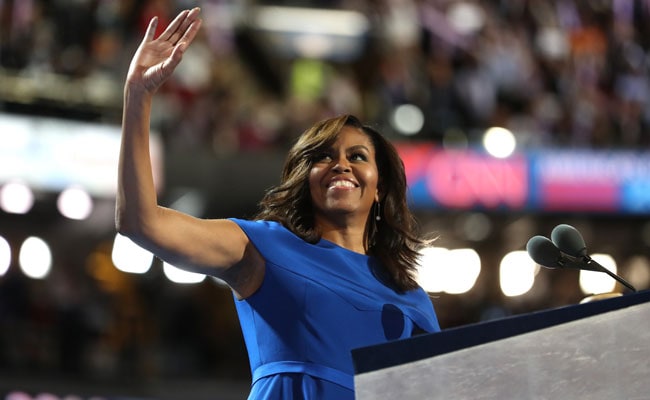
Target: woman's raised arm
[{"x": 214, "y": 247}]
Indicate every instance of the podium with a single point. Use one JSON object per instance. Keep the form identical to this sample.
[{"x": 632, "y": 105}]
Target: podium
[{"x": 597, "y": 350}]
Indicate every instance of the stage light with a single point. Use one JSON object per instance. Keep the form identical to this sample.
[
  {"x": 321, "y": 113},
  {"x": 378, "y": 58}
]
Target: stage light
[
  {"x": 311, "y": 21},
  {"x": 75, "y": 203},
  {"x": 465, "y": 268},
  {"x": 432, "y": 266},
  {"x": 594, "y": 282},
  {"x": 35, "y": 258},
  {"x": 499, "y": 142},
  {"x": 16, "y": 198},
  {"x": 178, "y": 275},
  {"x": 517, "y": 273},
  {"x": 451, "y": 271},
  {"x": 5, "y": 256},
  {"x": 407, "y": 119},
  {"x": 129, "y": 257}
]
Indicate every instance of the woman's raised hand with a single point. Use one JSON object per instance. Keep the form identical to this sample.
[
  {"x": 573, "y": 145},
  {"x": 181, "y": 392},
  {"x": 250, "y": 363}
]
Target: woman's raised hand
[{"x": 156, "y": 59}]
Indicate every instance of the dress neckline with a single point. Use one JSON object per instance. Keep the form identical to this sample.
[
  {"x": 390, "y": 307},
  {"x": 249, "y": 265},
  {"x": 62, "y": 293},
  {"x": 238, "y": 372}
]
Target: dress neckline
[{"x": 324, "y": 243}]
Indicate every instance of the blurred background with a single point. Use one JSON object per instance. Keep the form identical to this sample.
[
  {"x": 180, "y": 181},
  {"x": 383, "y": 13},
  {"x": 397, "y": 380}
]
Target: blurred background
[{"x": 511, "y": 118}]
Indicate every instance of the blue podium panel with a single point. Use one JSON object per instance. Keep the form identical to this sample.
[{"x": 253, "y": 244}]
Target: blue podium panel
[{"x": 592, "y": 351}]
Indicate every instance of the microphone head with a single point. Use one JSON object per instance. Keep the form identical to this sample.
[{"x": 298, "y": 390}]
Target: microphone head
[
  {"x": 543, "y": 252},
  {"x": 569, "y": 240}
]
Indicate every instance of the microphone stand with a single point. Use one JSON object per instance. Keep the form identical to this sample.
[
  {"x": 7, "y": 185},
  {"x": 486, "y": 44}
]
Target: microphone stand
[
  {"x": 597, "y": 267},
  {"x": 587, "y": 263}
]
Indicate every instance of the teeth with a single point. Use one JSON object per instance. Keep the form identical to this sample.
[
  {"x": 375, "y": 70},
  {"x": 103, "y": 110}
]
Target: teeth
[{"x": 342, "y": 183}]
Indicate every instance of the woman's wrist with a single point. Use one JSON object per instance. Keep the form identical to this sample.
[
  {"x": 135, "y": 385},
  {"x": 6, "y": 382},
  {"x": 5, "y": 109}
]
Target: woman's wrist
[{"x": 134, "y": 90}]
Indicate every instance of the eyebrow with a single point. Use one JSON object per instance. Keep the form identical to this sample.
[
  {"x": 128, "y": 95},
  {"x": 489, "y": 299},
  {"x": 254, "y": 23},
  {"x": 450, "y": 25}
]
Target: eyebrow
[
  {"x": 355, "y": 147},
  {"x": 358, "y": 147}
]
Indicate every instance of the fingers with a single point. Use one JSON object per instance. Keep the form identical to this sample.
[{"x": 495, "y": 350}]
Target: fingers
[
  {"x": 178, "y": 28},
  {"x": 189, "y": 34},
  {"x": 173, "y": 26},
  {"x": 151, "y": 29}
]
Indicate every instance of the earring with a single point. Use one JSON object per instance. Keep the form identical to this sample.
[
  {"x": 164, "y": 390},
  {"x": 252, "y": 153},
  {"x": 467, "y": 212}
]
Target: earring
[{"x": 378, "y": 212}]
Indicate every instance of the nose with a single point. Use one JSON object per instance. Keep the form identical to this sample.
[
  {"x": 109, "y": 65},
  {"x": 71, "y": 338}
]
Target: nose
[{"x": 341, "y": 165}]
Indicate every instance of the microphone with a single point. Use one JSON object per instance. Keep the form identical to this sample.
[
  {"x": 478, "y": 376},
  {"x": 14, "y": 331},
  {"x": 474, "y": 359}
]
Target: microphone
[
  {"x": 546, "y": 254},
  {"x": 569, "y": 240},
  {"x": 566, "y": 250}
]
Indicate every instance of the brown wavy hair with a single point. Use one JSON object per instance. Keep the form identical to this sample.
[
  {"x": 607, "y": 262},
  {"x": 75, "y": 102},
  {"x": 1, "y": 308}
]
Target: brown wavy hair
[{"x": 392, "y": 240}]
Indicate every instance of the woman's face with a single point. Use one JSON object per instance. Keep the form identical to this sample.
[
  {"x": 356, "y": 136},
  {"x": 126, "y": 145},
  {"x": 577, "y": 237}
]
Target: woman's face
[{"x": 343, "y": 180}]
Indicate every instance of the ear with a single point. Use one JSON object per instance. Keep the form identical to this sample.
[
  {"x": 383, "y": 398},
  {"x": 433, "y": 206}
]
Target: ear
[{"x": 380, "y": 192}]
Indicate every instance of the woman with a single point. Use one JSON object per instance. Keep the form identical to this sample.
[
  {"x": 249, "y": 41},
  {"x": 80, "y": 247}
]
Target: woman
[{"x": 325, "y": 267}]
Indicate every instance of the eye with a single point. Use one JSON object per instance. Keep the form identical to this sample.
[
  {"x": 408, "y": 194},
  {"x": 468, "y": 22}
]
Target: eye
[
  {"x": 358, "y": 156},
  {"x": 323, "y": 156}
]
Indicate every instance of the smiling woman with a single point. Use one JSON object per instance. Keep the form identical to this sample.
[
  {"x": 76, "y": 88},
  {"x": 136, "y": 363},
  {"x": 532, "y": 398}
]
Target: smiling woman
[
  {"x": 321, "y": 270},
  {"x": 344, "y": 183},
  {"x": 389, "y": 233}
]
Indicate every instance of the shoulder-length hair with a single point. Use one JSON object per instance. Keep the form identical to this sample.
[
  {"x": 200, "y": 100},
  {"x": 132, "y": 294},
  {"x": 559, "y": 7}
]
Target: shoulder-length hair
[{"x": 391, "y": 239}]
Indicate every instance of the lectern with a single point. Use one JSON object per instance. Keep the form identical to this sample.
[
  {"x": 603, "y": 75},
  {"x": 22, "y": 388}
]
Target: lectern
[{"x": 597, "y": 350}]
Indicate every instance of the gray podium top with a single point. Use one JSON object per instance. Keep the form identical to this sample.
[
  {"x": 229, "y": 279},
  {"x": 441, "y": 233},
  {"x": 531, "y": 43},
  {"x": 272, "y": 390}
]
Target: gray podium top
[{"x": 604, "y": 356}]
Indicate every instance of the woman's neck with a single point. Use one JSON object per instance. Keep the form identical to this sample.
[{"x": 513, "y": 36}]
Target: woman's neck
[{"x": 351, "y": 237}]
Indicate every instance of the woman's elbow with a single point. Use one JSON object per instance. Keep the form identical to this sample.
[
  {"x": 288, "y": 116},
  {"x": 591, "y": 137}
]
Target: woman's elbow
[{"x": 124, "y": 225}]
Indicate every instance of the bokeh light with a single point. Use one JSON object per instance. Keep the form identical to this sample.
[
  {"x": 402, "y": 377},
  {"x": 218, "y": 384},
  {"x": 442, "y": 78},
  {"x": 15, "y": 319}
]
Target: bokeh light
[
  {"x": 16, "y": 198},
  {"x": 5, "y": 256},
  {"x": 407, "y": 119},
  {"x": 517, "y": 273},
  {"x": 450, "y": 271},
  {"x": 35, "y": 258},
  {"x": 129, "y": 257},
  {"x": 75, "y": 203},
  {"x": 499, "y": 142},
  {"x": 178, "y": 275},
  {"x": 595, "y": 282}
]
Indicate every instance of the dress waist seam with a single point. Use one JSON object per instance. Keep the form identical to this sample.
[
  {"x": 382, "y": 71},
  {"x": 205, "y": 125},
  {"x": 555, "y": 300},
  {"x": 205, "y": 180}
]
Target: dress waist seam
[{"x": 319, "y": 371}]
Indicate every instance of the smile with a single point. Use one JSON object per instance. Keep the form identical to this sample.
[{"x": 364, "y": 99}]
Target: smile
[{"x": 341, "y": 183}]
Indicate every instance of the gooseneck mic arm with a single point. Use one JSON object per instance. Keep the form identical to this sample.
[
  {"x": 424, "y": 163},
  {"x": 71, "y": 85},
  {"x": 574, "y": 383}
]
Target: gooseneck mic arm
[
  {"x": 571, "y": 255},
  {"x": 594, "y": 266}
]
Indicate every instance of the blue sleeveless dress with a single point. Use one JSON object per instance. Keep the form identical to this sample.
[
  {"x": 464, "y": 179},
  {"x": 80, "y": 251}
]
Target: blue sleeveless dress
[{"x": 318, "y": 302}]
